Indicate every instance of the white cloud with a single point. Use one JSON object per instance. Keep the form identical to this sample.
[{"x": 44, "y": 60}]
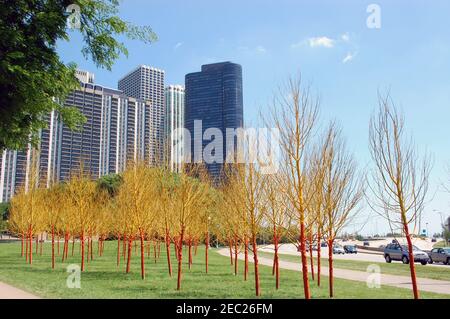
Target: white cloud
[
  {"x": 257, "y": 50},
  {"x": 261, "y": 49},
  {"x": 179, "y": 44},
  {"x": 345, "y": 37},
  {"x": 321, "y": 42},
  {"x": 349, "y": 57}
]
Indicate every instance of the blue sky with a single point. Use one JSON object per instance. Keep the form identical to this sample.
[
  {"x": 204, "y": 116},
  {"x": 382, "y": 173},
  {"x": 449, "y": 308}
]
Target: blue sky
[{"x": 345, "y": 62}]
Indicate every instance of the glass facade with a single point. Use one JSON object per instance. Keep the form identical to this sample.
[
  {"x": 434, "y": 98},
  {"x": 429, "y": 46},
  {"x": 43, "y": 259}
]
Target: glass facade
[{"x": 214, "y": 96}]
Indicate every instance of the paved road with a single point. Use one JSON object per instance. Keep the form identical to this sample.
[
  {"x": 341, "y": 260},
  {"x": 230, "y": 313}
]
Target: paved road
[
  {"x": 10, "y": 292},
  {"x": 430, "y": 285},
  {"x": 290, "y": 249}
]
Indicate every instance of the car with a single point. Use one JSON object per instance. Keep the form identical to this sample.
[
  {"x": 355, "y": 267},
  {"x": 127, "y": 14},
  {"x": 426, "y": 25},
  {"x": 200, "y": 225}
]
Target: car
[
  {"x": 440, "y": 255},
  {"x": 337, "y": 249},
  {"x": 323, "y": 244},
  {"x": 350, "y": 249},
  {"x": 399, "y": 252},
  {"x": 366, "y": 243}
]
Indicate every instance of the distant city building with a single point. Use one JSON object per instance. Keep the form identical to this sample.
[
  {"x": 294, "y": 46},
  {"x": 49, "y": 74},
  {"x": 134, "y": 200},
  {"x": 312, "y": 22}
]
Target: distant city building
[
  {"x": 214, "y": 96},
  {"x": 84, "y": 76},
  {"x": 174, "y": 124},
  {"x": 117, "y": 129},
  {"x": 147, "y": 83}
]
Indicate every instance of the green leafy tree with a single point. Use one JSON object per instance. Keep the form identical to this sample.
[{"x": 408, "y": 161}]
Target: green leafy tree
[
  {"x": 33, "y": 79},
  {"x": 110, "y": 183}
]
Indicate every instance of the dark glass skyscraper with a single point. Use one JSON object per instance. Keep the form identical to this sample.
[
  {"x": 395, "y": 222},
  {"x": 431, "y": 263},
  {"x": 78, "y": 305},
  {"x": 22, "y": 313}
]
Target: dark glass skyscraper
[{"x": 214, "y": 96}]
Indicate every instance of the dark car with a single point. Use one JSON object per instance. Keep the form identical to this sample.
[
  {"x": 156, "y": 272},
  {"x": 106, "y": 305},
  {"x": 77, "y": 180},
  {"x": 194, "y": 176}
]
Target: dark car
[
  {"x": 366, "y": 243},
  {"x": 350, "y": 249},
  {"x": 399, "y": 252},
  {"x": 440, "y": 255}
]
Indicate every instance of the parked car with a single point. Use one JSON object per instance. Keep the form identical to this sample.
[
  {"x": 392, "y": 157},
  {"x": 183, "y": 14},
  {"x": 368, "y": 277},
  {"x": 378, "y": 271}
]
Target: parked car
[
  {"x": 337, "y": 249},
  {"x": 350, "y": 249},
  {"x": 398, "y": 252},
  {"x": 323, "y": 244},
  {"x": 366, "y": 243},
  {"x": 441, "y": 255}
]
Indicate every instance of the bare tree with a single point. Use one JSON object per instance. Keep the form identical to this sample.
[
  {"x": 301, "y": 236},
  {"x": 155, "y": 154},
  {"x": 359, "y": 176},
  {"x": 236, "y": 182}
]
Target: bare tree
[
  {"x": 399, "y": 180},
  {"x": 342, "y": 191},
  {"x": 294, "y": 114}
]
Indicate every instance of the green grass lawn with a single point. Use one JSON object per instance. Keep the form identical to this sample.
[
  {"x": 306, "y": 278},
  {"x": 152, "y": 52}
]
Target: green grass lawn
[
  {"x": 102, "y": 279},
  {"x": 395, "y": 268}
]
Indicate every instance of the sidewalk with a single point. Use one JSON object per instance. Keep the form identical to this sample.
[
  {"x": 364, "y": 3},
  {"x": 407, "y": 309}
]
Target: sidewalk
[
  {"x": 10, "y": 292},
  {"x": 430, "y": 285}
]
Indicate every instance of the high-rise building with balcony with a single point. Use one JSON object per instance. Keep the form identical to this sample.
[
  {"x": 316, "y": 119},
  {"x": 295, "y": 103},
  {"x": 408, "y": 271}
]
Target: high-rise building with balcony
[
  {"x": 174, "y": 125},
  {"x": 118, "y": 129},
  {"x": 214, "y": 96},
  {"x": 147, "y": 83}
]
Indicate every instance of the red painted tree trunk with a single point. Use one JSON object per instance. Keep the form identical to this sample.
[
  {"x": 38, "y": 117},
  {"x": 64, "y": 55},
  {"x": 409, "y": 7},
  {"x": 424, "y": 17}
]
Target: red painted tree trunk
[
  {"x": 41, "y": 244},
  {"x": 230, "y": 243},
  {"x": 330, "y": 268},
  {"x": 130, "y": 246},
  {"x": 169, "y": 264},
  {"x": 142, "y": 256},
  {"x": 318, "y": 257},
  {"x": 411, "y": 263},
  {"x": 245, "y": 258},
  {"x": 255, "y": 261},
  {"x": 180, "y": 257},
  {"x": 190, "y": 253},
  {"x": 26, "y": 246},
  {"x": 118, "y": 250},
  {"x": 30, "y": 256},
  {"x": 206, "y": 251},
  {"x": 82, "y": 250},
  {"x": 304, "y": 261},
  {"x": 276, "y": 263},
  {"x": 53, "y": 247},
  {"x": 235, "y": 257},
  {"x": 91, "y": 250},
  {"x": 311, "y": 257}
]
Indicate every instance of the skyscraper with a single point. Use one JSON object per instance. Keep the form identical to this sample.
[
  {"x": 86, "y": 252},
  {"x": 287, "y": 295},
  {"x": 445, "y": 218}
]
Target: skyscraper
[
  {"x": 147, "y": 83},
  {"x": 174, "y": 123},
  {"x": 117, "y": 129},
  {"x": 214, "y": 96}
]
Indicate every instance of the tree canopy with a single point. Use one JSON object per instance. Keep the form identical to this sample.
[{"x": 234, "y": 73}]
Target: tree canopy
[{"x": 33, "y": 79}]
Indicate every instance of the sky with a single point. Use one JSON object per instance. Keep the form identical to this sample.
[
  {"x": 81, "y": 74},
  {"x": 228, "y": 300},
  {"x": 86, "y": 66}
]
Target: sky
[{"x": 345, "y": 60}]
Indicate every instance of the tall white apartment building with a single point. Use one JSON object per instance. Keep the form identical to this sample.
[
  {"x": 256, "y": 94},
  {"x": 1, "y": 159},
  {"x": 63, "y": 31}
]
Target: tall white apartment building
[
  {"x": 174, "y": 124},
  {"x": 147, "y": 83}
]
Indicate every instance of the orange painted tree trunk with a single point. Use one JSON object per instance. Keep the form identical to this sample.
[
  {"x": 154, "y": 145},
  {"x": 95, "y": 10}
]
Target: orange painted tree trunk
[
  {"x": 330, "y": 268},
  {"x": 53, "y": 247},
  {"x": 142, "y": 256},
  {"x": 236, "y": 252},
  {"x": 411, "y": 263},
  {"x": 206, "y": 251},
  {"x": 180, "y": 257},
  {"x": 118, "y": 250},
  {"x": 130, "y": 246},
  {"x": 318, "y": 257},
  {"x": 169, "y": 264},
  {"x": 245, "y": 258},
  {"x": 82, "y": 250},
  {"x": 276, "y": 263},
  {"x": 255, "y": 261},
  {"x": 304, "y": 261}
]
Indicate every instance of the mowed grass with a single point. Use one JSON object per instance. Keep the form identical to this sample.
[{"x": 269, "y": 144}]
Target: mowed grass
[
  {"x": 103, "y": 279},
  {"x": 394, "y": 268}
]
